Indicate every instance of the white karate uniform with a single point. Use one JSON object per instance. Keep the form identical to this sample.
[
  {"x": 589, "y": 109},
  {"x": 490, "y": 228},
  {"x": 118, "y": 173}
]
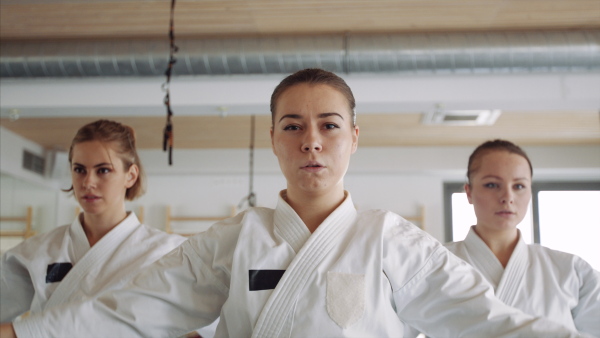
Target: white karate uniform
[
  {"x": 539, "y": 281},
  {"x": 358, "y": 275},
  {"x": 109, "y": 264}
]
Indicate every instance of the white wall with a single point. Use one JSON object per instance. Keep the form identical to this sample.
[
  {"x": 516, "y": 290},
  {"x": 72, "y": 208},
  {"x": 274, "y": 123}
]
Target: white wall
[
  {"x": 210, "y": 182},
  {"x": 21, "y": 188}
]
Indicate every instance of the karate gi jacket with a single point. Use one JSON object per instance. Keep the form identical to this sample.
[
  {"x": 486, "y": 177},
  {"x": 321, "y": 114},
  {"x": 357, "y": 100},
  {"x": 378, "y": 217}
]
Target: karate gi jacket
[
  {"x": 358, "y": 275},
  {"x": 60, "y": 266},
  {"x": 539, "y": 281}
]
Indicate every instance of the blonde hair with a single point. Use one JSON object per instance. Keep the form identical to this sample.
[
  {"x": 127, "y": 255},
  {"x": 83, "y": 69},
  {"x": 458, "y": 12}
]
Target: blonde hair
[{"x": 123, "y": 137}]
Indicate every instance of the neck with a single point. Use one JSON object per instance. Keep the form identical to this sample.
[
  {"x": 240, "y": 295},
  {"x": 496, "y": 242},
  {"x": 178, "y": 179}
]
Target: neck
[
  {"x": 313, "y": 208},
  {"x": 502, "y": 243},
  {"x": 96, "y": 226}
]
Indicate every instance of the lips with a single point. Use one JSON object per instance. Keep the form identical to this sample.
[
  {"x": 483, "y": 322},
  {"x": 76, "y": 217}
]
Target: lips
[
  {"x": 312, "y": 166},
  {"x": 505, "y": 213},
  {"x": 90, "y": 198}
]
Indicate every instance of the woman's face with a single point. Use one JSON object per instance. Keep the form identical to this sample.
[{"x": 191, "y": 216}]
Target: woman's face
[
  {"x": 313, "y": 137},
  {"x": 500, "y": 190},
  {"x": 99, "y": 179}
]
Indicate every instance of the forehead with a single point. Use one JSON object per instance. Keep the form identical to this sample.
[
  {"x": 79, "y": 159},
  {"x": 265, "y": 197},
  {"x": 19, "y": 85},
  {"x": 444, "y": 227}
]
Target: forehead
[
  {"x": 501, "y": 161},
  {"x": 93, "y": 152},
  {"x": 311, "y": 98}
]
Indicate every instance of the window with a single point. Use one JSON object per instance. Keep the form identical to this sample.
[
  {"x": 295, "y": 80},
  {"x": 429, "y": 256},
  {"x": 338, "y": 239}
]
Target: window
[
  {"x": 563, "y": 216},
  {"x": 567, "y": 218}
]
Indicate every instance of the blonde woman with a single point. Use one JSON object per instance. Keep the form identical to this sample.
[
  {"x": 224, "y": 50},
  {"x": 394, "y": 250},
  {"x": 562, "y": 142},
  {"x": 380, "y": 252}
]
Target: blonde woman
[{"x": 103, "y": 247}]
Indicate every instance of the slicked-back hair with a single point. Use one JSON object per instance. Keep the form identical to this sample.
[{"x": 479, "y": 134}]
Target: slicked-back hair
[
  {"x": 314, "y": 76},
  {"x": 490, "y": 146}
]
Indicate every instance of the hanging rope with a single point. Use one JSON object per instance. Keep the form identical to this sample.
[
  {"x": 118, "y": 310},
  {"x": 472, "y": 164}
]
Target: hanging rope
[
  {"x": 251, "y": 198},
  {"x": 168, "y": 131},
  {"x": 251, "y": 195}
]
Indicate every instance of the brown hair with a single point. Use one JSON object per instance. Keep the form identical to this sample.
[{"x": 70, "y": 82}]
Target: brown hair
[
  {"x": 314, "y": 76},
  {"x": 123, "y": 137},
  {"x": 495, "y": 145}
]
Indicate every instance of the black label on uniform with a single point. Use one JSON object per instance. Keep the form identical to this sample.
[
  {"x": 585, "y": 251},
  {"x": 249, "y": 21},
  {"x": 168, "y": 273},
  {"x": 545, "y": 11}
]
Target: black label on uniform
[
  {"x": 264, "y": 279},
  {"x": 57, "y": 271}
]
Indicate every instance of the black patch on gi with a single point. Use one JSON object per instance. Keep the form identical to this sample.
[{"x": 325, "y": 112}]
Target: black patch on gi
[
  {"x": 57, "y": 271},
  {"x": 264, "y": 279}
]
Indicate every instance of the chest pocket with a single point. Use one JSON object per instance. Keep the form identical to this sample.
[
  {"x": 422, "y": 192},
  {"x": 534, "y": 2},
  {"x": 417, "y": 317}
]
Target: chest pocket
[{"x": 345, "y": 297}]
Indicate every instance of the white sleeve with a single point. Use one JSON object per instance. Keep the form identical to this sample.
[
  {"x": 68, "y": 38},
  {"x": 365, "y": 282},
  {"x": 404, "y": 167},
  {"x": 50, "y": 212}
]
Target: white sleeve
[
  {"x": 16, "y": 288},
  {"x": 181, "y": 292},
  {"x": 449, "y": 298},
  {"x": 586, "y": 314}
]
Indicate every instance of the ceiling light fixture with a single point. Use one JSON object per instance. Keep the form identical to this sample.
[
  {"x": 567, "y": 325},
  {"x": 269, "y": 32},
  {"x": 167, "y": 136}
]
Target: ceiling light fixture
[{"x": 439, "y": 116}]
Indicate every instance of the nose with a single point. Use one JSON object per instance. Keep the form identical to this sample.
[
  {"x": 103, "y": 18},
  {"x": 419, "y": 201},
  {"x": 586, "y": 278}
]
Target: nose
[
  {"x": 312, "y": 141},
  {"x": 89, "y": 181},
  {"x": 507, "y": 196}
]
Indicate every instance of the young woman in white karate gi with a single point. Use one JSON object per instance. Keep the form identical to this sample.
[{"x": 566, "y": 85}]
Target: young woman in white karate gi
[
  {"x": 538, "y": 280},
  {"x": 103, "y": 247},
  {"x": 312, "y": 267}
]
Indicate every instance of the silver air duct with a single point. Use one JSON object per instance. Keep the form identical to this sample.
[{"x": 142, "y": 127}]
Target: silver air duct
[{"x": 424, "y": 53}]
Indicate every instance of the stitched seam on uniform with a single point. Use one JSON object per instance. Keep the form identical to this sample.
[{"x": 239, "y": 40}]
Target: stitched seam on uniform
[
  {"x": 289, "y": 224},
  {"x": 512, "y": 276},
  {"x": 485, "y": 261},
  {"x": 195, "y": 259},
  {"x": 95, "y": 254},
  {"x": 424, "y": 269},
  {"x": 293, "y": 280}
]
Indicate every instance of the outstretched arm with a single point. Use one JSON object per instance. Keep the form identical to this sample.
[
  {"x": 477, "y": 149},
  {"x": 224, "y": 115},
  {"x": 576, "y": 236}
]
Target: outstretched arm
[
  {"x": 175, "y": 295},
  {"x": 449, "y": 298}
]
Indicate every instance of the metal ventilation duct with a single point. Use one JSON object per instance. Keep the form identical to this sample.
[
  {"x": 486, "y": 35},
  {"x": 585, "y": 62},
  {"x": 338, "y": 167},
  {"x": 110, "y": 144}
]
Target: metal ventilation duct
[{"x": 432, "y": 53}]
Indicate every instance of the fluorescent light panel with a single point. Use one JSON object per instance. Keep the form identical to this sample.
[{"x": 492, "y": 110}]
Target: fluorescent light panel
[{"x": 461, "y": 117}]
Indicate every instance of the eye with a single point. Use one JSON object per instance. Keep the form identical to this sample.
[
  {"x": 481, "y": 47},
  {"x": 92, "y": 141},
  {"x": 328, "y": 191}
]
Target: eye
[
  {"x": 331, "y": 126},
  {"x": 519, "y": 186},
  {"x": 78, "y": 170},
  {"x": 291, "y": 127},
  {"x": 104, "y": 170},
  {"x": 490, "y": 185}
]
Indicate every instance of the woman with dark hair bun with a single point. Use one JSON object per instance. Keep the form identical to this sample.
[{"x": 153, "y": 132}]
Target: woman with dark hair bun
[{"x": 103, "y": 247}]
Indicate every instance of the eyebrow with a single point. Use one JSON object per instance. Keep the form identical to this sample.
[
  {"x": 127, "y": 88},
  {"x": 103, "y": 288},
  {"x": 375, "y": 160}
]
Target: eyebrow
[
  {"x": 499, "y": 178},
  {"x": 96, "y": 166},
  {"x": 321, "y": 116}
]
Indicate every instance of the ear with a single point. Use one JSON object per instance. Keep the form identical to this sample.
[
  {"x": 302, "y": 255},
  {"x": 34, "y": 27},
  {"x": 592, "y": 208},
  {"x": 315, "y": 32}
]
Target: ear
[
  {"x": 132, "y": 175},
  {"x": 468, "y": 191},
  {"x": 355, "y": 139},
  {"x": 272, "y": 141}
]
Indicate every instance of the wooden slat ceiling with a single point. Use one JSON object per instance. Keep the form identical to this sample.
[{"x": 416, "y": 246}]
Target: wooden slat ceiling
[
  {"x": 375, "y": 130},
  {"x": 50, "y": 19}
]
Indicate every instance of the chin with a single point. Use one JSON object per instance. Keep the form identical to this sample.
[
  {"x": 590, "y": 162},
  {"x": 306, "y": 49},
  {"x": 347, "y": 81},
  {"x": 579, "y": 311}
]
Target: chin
[
  {"x": 315, "y": 188},
  {"x": 92, "y": 210}
]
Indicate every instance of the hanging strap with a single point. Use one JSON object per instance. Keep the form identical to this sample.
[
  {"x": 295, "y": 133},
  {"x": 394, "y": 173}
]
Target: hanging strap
[{"x": 168, "y": 131}]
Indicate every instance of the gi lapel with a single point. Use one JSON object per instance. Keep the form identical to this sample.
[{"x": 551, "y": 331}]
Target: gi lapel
[
  {"x": 87, "y": 261},
  {"x": 513, "y": 273},
  {"x": 483, "y": 259},
  {"x": 274, "y": 316}
]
